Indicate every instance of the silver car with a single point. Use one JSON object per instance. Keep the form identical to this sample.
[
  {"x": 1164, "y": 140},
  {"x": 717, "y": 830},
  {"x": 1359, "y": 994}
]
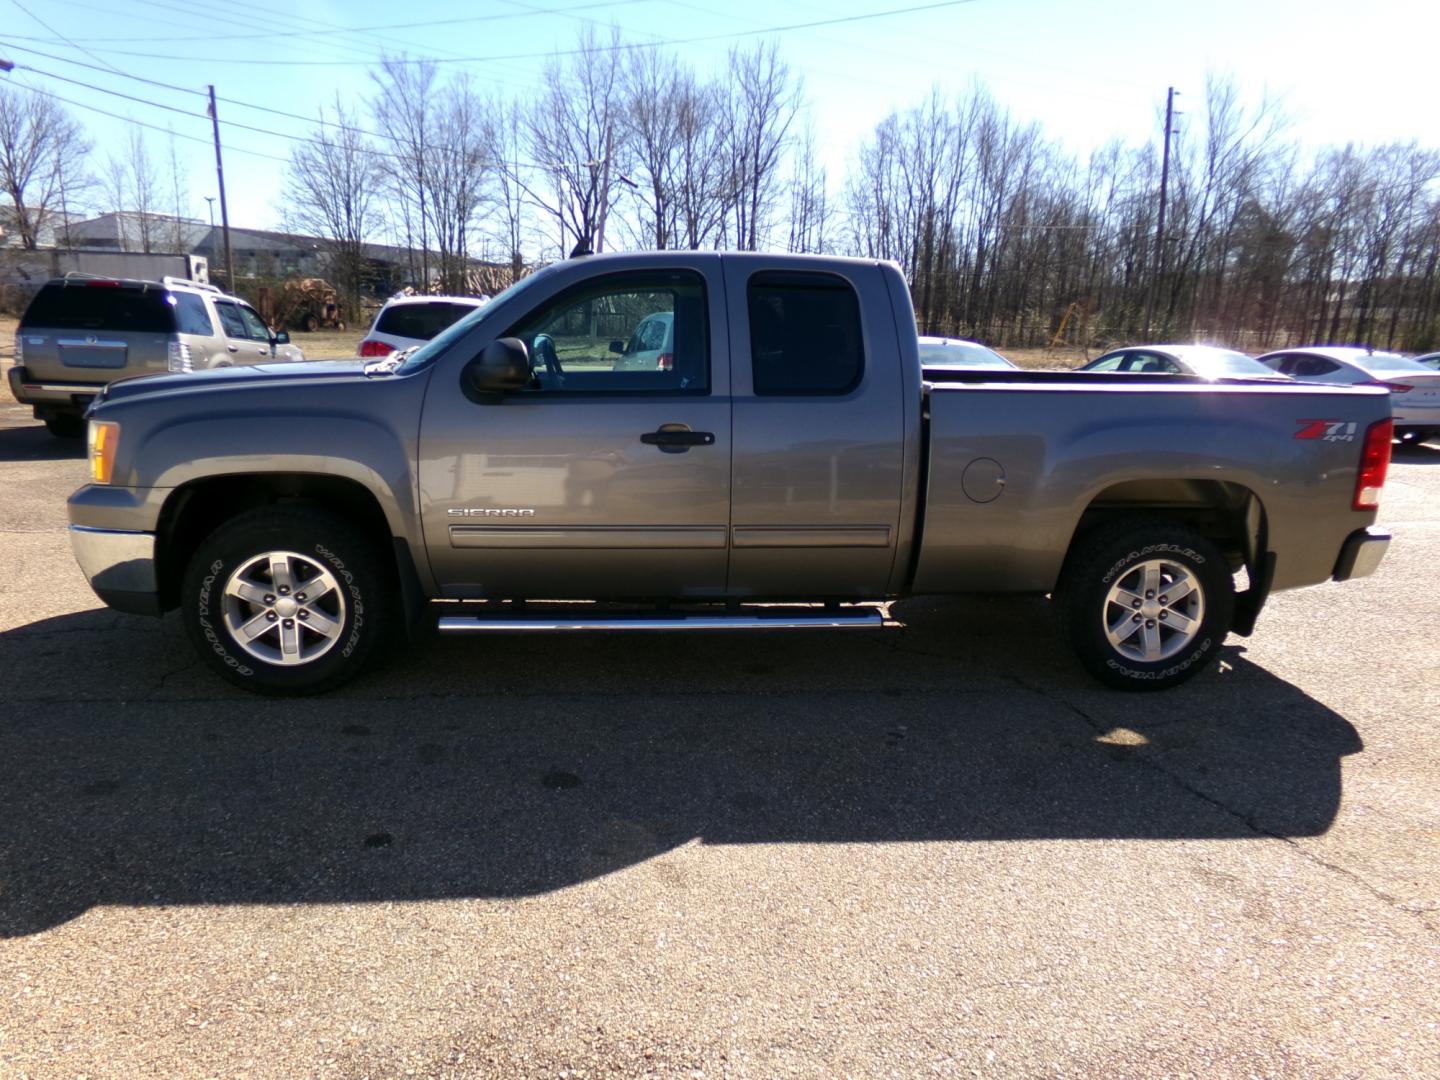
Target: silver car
[
  {"x": 1205, "y": 361},
  {"x": 651, "y": 347},
  {"x": 81, "y": 333},
  {"x": 1414, "y": 387},
  {"x": 959, "y": 354}
]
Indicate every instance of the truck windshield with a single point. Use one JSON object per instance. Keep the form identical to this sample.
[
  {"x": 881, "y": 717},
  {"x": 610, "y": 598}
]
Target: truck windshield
[{"x": 426, "y": 354}]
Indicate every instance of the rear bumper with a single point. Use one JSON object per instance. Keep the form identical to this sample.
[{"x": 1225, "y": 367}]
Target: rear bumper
[
  {"x": 120, "y": 567},
  {"x": 1361, "y": 554},
  {"x": 49, "y": 394}
]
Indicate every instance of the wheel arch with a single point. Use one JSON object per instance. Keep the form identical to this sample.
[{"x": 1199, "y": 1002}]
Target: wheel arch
[
  {"x": 1229, "y": 514},
  {"x": 195, "y": 509}
]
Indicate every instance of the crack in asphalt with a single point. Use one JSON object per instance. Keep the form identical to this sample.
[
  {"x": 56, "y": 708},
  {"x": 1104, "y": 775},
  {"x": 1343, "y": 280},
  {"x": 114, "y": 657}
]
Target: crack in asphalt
[{"x": 1155, "y": 764}]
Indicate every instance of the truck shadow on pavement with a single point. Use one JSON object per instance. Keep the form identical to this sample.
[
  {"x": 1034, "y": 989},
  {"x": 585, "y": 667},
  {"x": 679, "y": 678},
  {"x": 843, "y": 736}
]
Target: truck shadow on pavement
[
  {"x": 31, "y": 442},
  {"x": 515, "y": 766}
]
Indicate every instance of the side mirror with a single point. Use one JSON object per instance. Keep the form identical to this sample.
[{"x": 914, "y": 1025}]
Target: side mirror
[
  {"x": 617, "y": 346},
  {"x": 503, "y": 365},
  {"x": 280, "y": 337}
]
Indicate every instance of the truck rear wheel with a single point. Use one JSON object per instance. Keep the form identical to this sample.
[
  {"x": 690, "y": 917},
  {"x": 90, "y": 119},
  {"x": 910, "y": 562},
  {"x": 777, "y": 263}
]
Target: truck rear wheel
[
  {"x": 1146, "y": 605},
  {"x": 66, "y": 426},
  {"x": 286, "y": 600}
]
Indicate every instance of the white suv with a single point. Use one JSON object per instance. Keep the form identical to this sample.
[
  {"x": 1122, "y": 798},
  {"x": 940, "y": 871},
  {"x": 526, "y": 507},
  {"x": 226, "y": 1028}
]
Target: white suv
[{"x": 413, "y": 320}]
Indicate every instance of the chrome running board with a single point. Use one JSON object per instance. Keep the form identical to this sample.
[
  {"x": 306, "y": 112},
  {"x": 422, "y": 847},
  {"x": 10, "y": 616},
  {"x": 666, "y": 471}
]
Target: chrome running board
[{"x": 847, "y": 619}]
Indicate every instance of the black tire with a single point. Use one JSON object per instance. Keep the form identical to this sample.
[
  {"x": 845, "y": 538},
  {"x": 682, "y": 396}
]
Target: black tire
[
  {"x": 358, "y": 598},
  {"x": 1116, "y": 556},
  {"x": 66, "y": 426},
  {"x": 311, "y": 324}
]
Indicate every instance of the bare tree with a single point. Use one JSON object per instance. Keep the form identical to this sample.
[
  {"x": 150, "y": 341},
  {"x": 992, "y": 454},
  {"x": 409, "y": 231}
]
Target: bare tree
[
  {"x": 761, "y": 109},
  {"x": 42, "y": 153},
  {"x": 457, "y": 176},
  {"x": 809, "y": 201},
  {"x": 510, "y": 192},
  {"x": 180, "y": 199},
  {"x": 404, "y": 111},
  {"x": 573, "y": 133},
  {"x": 132, "y": 189},
  {"x": 331, "y": 191}
]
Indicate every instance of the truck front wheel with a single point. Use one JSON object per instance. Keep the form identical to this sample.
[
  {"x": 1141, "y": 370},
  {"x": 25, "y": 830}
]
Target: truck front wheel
[
  {"x": 1146, "y": 605},
  {"x": 285, "y": 600}
]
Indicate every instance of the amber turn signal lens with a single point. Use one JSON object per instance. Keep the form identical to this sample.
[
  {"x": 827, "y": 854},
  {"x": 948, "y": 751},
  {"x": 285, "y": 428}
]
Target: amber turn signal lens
[{"x": 103, "y": 439}]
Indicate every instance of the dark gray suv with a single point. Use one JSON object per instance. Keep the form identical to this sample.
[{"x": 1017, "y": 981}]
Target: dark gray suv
[{"x": 81, "y": 333}]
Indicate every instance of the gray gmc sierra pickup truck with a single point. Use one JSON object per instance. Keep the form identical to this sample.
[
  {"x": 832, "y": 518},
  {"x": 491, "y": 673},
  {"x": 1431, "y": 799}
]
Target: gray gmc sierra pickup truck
[{"x": 683, "y": 440}]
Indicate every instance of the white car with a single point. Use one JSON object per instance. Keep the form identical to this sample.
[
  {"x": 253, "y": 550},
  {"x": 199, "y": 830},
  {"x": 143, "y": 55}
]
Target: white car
[
  {"x": 943, "y": 352},
  {"x": 1205, "y": 361},
  {"x": 1414, "y": 387},
  {"x": 413, "y": 320}
]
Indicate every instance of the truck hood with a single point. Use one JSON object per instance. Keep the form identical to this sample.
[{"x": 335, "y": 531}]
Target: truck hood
[{"x": 305, "y": 372}]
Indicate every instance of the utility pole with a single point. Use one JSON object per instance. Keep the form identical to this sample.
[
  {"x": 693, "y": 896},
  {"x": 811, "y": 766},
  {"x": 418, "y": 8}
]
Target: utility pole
[
  {"x": 1160, "y": 223},
  {"x": 224, "y": 210}
]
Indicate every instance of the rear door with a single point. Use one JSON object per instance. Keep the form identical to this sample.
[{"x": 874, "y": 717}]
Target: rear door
[
  {"x": 819, "y": 430},
  {"x": 596, "y": 481}
]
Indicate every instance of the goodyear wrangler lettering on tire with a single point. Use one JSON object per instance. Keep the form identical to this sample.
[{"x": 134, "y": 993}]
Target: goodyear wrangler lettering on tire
[
  {"x": 286, "y": 599},
  {"x": 1145, "y": 603}
]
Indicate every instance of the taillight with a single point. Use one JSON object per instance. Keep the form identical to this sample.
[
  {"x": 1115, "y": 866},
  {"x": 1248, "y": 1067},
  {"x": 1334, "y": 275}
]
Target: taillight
[
  {"x": 177, "y": 356},
  {"x": 665, "y": 361},
  {"x": 1395, "y": 387},
  {"x": 375, "y": 348},
  {"x": 1374, "y": 463}
]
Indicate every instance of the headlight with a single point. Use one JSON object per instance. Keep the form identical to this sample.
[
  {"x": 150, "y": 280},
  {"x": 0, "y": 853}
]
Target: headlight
[{"x": 104, "y": 438}]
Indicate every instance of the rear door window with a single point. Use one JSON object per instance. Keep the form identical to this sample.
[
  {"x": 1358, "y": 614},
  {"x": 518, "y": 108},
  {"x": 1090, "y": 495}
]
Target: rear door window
[
  {"x": 422, "y": 321},
  {"x": 191, "y": 317},
  {"x": 91, "y": 306},
  {"x": 805, "y": 334}
]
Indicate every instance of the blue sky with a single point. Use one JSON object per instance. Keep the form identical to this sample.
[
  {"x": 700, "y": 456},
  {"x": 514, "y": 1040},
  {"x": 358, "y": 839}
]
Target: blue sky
[{"x": 1087, "y": 71}]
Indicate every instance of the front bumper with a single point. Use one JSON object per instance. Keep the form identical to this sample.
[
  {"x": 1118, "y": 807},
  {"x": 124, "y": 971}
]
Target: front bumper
[
  {"x": 120, "y": 567},
  {"x": 1361, "y": 554},
  {"x": 49, "y": 395}
]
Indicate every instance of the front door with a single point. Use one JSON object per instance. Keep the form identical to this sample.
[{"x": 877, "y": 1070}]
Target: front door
[{"x": 608, "y": 477}]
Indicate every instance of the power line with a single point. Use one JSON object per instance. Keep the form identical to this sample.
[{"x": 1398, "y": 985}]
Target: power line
[
  {"x": 142, "y": 123},
  {"x": 332, "y": 30},
  {"x": 437, "y": 148},
  {"x": 618, "y": 47},
  {"x": 36, "y": 18}
]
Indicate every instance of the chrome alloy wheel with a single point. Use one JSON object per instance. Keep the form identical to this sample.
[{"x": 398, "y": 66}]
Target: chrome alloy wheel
[
  {"x": 284, "y": 608},
  {"x": 1154, "y": 610}
]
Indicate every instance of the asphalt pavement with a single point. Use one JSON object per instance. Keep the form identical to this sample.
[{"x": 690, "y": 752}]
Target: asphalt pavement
[{"x": 933, "y": 851}]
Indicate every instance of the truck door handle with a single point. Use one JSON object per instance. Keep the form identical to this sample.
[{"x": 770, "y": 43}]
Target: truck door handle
[
  {"x": 676, "y": 439},
  {"x": 233, "y": 348}
]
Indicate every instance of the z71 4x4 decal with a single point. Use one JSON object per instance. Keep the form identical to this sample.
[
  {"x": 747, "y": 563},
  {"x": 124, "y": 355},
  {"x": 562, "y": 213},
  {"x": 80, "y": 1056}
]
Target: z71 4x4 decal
[{"x": 1328, "y": 430}]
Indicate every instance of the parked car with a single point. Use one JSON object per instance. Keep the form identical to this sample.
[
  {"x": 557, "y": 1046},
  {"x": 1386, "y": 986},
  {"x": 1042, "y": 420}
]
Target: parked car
[
  {"x": 81, "y": 333},
  {"x": 1414, "y": 387},
  {"x": 650, "y": 348},
  {"x": 1430, "y": 360},
  {"x": 299, "y": 516},
  {"x": 1206, "y": 361},
  {"x": 944, "y": 352},
  {"x": 406, "y": 321}
]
